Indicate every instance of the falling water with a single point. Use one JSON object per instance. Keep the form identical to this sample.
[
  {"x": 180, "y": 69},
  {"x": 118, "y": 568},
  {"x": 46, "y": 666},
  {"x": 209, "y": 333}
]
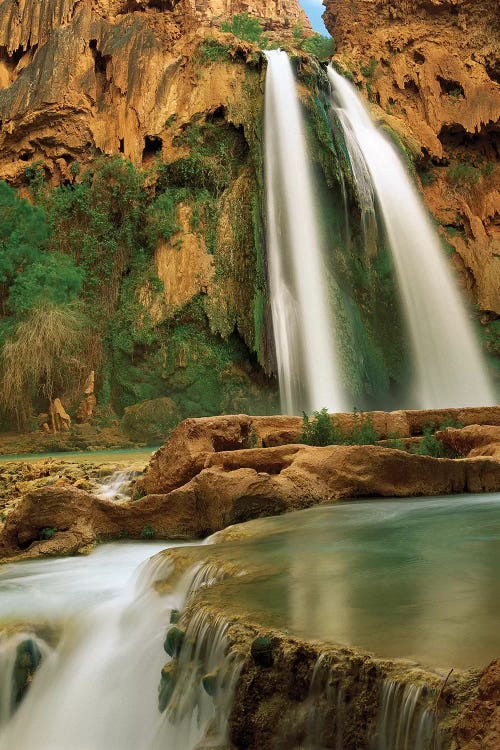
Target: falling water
[
  {"x": 403, "y": 722},
  {"x": 98, "y": 690},
  {"x": 448, "y": 362},
  {"x": 324, "y": 692},
  {"x": 304, "y": 331},
  {"x": 116, "y": 488}
]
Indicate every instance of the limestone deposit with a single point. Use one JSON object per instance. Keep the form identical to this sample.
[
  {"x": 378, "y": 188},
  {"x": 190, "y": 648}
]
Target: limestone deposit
[{"x": 210, "y": 475}]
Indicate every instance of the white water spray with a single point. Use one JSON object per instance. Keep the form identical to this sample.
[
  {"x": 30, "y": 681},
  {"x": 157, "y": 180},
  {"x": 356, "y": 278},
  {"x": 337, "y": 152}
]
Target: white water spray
[
  {"x": 304, "y": 330},
  {"x": 449, "y": 370}
]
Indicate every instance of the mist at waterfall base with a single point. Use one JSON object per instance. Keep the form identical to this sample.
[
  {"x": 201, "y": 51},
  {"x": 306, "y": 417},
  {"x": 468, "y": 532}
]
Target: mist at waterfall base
[{"x": 446, "y": 365}]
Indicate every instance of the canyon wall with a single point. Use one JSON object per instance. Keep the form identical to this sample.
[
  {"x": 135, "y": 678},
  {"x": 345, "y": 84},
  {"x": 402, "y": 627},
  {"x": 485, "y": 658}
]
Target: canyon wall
[{"x": 431, "y": 70}]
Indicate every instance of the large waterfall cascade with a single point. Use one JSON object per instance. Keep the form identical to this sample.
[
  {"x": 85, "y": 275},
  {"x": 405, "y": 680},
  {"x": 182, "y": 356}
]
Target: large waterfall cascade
[
  {"x": 448, "y": 364},
  {"x": 304, "y": 329}
]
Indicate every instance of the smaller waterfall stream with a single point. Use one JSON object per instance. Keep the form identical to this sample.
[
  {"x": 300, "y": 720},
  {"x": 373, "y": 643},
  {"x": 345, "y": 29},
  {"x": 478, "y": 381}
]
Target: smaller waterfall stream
[
  {"x": 448, "y": 362},
  {"x": 403, "y": 723},
  {"x": 304, "y": 330}
]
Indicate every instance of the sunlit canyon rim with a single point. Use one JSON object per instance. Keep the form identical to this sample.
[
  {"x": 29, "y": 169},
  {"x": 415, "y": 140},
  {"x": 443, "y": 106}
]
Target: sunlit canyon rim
[{"x": 249, "y": 358}]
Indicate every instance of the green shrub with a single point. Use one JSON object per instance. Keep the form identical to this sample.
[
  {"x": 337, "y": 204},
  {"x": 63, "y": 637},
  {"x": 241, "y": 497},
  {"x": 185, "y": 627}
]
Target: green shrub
[
  {"x": 247, "y": 28},
  {"x": 429, "y": 445},
  {"x": 395, "y": 443},
  {"x": 321, "y": 46},
  {"x": 147, "y": 532},
  {"x": 53, "y": 279},
  {"x": 321, "y": 430},
  {"x": 47, "y": 533},
  {"x": 463, "y": 174},
  {"x": 210, "y": 51}
]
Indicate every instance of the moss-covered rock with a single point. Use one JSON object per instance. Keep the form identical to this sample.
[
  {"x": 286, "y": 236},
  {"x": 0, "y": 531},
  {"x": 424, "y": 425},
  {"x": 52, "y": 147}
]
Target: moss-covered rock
[{"x": 151, "y": 421}]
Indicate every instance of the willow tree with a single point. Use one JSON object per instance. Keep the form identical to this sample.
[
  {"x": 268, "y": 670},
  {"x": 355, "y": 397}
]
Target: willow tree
[{"x": 46, "y": 357}]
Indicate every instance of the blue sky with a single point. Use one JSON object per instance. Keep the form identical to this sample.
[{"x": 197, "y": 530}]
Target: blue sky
[{"x": 315, "y": 9}]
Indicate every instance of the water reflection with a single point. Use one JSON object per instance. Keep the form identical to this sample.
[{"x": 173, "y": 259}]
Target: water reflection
[{"x": 412, "y": 578}]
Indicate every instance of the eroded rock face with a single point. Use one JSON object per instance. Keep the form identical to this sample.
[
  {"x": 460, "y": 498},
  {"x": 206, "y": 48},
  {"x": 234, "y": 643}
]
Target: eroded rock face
[
  {"x": 478, "y": 727},
  {"x": 207, "y": 477},
  {"x": 433, "y": 66},
  {"x": 107, "y": 74}
]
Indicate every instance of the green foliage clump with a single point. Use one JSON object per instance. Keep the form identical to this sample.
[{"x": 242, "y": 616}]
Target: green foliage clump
[
  {"x": 321, "y": 46},
  {"x": 53, "y": 279},
  {"x": 211, "y": 51},
  {"x": 246, "y": 27},
  {"x": 323, "y": 430},
  {"x": 394, "y": 441},
  {"x": 368, "y": 71},
  {"x": 319, "y": 430},
  {"x": 427, "y": 177},
  {"x": 429, "y": 445},
  {"x": 101, "y": 223},
  {"x": 48, "y": 532},
  {"x": 463, "y": 174},
  {"x": 148, "y": 532},
  {"x": 316, "y": 44},
  {"x": 23, "y": 233}
]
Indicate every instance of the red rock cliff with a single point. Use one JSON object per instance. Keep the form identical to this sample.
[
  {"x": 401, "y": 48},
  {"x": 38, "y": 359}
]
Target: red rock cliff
[{"x": 434, "y": 65}]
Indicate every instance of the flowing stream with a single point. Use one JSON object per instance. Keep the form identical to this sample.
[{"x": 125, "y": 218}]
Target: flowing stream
[
  {"x": 449, "y": 368},
  {"x": 414, "y": 577},
  {"x": 98, "y": 689},
  {"x": 304, "y": 329}
]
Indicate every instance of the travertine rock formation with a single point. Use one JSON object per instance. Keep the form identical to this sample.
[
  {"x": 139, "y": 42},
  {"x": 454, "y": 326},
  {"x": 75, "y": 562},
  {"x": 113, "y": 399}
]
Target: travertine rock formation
[
  {"x": 206, "y": 477},
  {"x": 434, "y": 66}
]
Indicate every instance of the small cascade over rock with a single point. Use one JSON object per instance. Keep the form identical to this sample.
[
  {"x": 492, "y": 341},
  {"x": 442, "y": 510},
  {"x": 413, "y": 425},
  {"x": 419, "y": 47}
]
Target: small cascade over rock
[
  {"x": 325, "y": 689},
  {"x": 116, "y": 487},
  {"x": 405, "y": 721},
  {"x": 197, "y": 685},
  {"x": 304, "y": 328},
  {"x": 448, "y": 364}
]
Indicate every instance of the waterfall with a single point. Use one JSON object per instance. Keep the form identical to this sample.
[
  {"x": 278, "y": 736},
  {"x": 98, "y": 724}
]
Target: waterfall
[
  {"x": 403, "y": 723},
  {"x": 324, "y": 692},
  {"x": 115, "y": 488},
  {"x": 304, "y": 329},
  {"x": 98, "y": 690},
  {"x": 449, "y": 371}
]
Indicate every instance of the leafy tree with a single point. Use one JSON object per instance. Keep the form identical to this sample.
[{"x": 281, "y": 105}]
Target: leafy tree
[
  {"x": 247, "y": 28},
  {"x": 316, "y": 44},
  {"x": 321, "y": 46},
  {"x": 23, "y": 233},
  {"x": 101, "y": 223},
  {"x": 53, "y": 278}
]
